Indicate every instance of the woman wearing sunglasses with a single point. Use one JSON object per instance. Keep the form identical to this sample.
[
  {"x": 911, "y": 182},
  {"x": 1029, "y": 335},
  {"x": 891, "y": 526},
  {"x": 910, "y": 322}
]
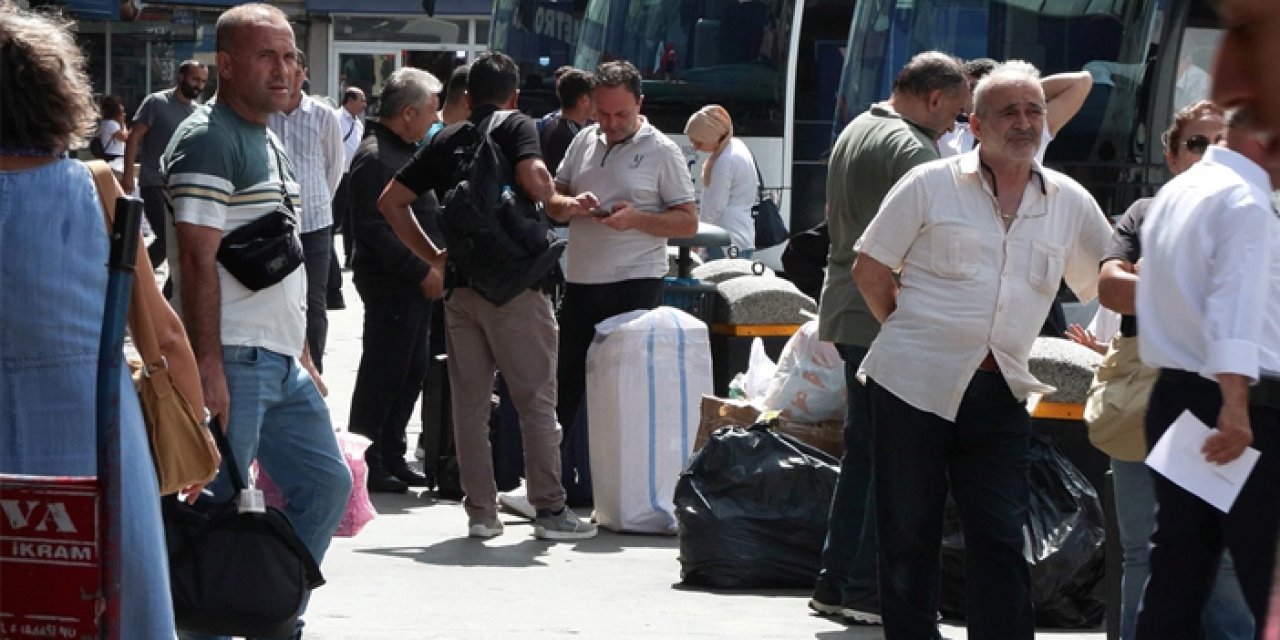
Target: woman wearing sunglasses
[{"x": 1227, "y": 616}]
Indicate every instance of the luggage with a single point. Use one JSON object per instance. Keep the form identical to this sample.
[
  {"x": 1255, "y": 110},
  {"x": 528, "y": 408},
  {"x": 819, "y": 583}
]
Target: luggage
[
  {"x": 646, "y": 374},
  {"x": 440, "y": 464}
]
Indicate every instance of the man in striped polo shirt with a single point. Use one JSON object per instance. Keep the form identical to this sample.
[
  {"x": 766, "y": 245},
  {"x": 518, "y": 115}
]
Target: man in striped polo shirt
[
  {"x": 313, "y": 141},
  {"x": 224, "y": 169}
]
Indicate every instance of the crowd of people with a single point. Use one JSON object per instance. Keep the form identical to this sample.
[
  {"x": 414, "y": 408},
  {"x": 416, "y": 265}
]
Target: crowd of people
[{"x": 949, "y": 239}]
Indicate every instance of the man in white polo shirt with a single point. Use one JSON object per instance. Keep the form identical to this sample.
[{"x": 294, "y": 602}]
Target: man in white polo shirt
[
  {"x": 625, "y": 188},
  {"x": 960, "y": 266}
]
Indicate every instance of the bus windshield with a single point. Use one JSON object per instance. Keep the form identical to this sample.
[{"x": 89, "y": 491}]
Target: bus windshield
[
  {"x": 694, "y": 52},
  {"x": 1111, "y": 39}
]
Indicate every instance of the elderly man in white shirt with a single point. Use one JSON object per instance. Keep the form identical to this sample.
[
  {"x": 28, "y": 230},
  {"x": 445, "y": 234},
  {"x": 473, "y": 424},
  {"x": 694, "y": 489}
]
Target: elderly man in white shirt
[
  {"x": 311, "y": 138},
  {"x": 1209, "y": 299},
  {"x": 960, "y": 265}
]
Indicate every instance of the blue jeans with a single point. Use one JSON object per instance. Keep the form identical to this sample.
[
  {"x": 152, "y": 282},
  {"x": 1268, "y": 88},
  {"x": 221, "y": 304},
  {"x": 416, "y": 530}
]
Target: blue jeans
[
  {"x": 278, "y": 417},
  {"x": 984, "y": 456},
  {"x": 849, "y": 552},
  {"x": 1225, "y": 617}
]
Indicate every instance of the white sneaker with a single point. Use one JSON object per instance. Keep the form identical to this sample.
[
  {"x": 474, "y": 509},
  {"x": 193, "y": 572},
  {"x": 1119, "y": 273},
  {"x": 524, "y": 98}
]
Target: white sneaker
[
  {"x": 517, "y": 502},
  {"x": 484, "y": 529}
]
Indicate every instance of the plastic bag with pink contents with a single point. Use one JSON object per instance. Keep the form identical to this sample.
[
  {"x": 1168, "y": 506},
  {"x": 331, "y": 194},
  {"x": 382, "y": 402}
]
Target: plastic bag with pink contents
[
  {"x": 359, "y": 509},
  {"x": 809, "y": 383}
]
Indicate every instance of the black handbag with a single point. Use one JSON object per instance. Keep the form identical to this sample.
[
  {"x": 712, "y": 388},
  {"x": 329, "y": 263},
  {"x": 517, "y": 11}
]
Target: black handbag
[
  {"x": 264, "y": 251},
  {"x": 235, "y": 573},
  {"x": 770, "y": 231}
]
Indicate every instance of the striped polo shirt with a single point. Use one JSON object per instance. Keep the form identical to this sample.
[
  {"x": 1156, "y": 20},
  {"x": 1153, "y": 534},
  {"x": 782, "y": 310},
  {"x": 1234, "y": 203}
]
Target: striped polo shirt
[
  {"x": 223, "y": 171},
  {"x": 312, "y": 139}
]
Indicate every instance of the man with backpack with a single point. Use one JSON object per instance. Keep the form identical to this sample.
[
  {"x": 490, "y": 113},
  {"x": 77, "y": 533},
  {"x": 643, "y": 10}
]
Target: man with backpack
[{"x": 488, "y": 327}]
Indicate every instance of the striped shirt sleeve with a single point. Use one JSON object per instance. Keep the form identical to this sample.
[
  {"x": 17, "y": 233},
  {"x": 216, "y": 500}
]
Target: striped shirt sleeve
[{"x": 200, "y": 173}]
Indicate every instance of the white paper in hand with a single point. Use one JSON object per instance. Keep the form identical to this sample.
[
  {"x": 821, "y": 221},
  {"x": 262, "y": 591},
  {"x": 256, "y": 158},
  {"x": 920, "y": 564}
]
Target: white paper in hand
[{"x": 1177, "y": 457}]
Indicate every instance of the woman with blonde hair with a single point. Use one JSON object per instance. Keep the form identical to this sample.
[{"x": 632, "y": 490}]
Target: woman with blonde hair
[
  {"x": 730, "y": 182},
  {"x": 53, "y": 286}
]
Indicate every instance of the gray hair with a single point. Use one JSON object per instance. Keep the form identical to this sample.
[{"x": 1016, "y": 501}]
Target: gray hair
[
  {"x": 1008, "y": 73},
  {"x": 407, "y": 87},
  {"x": 44, "y": 91}
]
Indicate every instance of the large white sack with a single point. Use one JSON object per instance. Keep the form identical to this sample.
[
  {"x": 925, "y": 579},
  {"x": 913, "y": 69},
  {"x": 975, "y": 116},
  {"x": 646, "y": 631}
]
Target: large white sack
[{"x": 646, "y": 374}]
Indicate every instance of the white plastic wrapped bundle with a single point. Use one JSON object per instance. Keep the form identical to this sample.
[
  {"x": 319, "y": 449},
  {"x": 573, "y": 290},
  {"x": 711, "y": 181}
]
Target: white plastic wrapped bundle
[{"x": 646, "y": 374}]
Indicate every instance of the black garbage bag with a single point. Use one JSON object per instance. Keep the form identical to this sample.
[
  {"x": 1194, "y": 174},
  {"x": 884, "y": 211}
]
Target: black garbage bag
[
  {"x": 1062, "y": 540},
  {"x": 752, "y": 510}
]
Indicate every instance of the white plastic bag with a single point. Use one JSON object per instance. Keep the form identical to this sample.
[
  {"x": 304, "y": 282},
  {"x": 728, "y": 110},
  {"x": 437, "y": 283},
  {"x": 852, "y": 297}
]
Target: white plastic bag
[
  {"x": 809, "y": 383},
  {"x": 760, "y": 370}
]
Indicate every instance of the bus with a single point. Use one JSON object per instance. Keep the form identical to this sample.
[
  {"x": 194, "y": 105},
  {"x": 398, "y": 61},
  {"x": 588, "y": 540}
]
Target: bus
[
  {"x": 774, "y": 64},
  {"x": 794, "y": 72}
]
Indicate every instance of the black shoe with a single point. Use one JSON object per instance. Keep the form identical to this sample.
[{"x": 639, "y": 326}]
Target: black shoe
[
  {"x": 385, "y": 483},
  {"x": 404, "y": 473},
  {"x": 335, "y": 302},
  {"x": 825, "y": 600}
]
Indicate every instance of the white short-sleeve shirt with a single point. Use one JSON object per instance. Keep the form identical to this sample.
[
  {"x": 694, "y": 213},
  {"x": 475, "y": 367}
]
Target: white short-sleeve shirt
[
  {"x": 968, "y": 286},
  {"x": 649, "y": 171}
]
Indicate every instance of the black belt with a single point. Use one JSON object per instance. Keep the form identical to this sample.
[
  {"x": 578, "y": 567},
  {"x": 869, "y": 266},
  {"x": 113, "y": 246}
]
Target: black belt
[{"x": 1265, "y": 393}]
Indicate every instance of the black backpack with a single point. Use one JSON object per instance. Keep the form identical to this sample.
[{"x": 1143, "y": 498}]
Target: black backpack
[{"x": 496, "y": 237}]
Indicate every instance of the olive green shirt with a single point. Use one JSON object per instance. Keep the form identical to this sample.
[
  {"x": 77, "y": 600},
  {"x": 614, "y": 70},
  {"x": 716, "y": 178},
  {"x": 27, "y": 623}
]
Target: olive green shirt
[{"x": 870, "y": 156}]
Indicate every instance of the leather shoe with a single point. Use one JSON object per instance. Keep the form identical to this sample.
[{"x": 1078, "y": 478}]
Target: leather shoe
[
  {"x": 385, "y": 483},
  {"x": 335, "y": 302},
  {"x": 404, "y": 473}
]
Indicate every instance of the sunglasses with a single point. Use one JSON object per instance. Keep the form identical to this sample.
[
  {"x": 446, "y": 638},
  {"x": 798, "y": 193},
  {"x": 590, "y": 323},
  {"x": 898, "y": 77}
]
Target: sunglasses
[{"x": 1197, "y": 144}]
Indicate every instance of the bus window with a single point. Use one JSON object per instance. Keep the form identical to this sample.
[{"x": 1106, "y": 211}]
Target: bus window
[
  {"x": 1101, "y": 147},
  {"x": 694, "y": 52},
  {"x": 540, "y": 35}
]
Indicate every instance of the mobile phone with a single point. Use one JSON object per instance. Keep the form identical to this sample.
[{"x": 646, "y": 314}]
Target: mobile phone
[{"x": 601, "y": 213}]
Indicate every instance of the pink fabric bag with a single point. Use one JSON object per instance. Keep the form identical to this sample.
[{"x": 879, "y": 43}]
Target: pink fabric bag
[{"x": 359, "y": 509}]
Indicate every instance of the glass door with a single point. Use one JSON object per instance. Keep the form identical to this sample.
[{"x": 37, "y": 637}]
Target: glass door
[
  {"x": 369, "y": 66},
  {"x": 367, "y": 70}
]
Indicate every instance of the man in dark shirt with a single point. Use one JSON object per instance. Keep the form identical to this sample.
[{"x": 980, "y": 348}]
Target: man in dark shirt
[
  {"x": 397, "y": 287},
  {"x": 520, "y": 338},
  {"x": 573, "y": 88}
]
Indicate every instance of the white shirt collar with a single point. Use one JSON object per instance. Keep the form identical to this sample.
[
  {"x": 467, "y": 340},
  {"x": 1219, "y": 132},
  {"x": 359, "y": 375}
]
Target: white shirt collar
[
  {"x": 970, "y": 164},
  {"x": 1242, "y": 166}
]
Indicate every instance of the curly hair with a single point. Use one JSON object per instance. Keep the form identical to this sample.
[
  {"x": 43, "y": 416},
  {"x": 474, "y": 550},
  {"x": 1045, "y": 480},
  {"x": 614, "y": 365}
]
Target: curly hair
[
  {"x": 1172, "y": 136},
  {"x": 45, "y": 94}
]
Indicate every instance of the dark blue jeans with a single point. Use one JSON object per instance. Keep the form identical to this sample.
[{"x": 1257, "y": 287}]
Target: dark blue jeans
[
  {"x": 983, "y": 455},
  {"x": 849, "y": 553}
]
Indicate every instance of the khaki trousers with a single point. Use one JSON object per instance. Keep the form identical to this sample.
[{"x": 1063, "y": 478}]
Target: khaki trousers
[{"x": 520, "y": 339}]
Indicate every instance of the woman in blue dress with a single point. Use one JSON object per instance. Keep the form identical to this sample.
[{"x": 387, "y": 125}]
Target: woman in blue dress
[{"x": 53, "y": 252}]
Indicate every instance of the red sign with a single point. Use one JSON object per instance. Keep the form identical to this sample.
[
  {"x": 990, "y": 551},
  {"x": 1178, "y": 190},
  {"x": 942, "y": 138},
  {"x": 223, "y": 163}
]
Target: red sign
[{"x": 48, "y": 558}]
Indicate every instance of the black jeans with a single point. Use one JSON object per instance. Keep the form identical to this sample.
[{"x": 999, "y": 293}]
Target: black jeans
[
  {"x": 983, "y": 455},
  {"x": 316, "y": 247},
  {"x": 849, "y": 552},
  {"x": 583, "y": 307},
  {"x": 392, "y": 368},
  {"x": 1187, "y": 544},
  {"x": 153, "y": 206}
]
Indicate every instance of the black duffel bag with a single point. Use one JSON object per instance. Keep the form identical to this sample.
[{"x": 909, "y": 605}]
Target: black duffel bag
[{"x": 234, "y": 573}]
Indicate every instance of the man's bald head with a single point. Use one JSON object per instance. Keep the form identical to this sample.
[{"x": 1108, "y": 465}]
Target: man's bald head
[{"x": 235, "y": 21}]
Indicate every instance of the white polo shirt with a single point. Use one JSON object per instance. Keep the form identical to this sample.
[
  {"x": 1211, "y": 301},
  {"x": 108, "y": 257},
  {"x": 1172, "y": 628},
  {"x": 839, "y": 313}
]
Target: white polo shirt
[
  {"x": 649, "y": 171},
  {"x": 968, "y": 286},
  {"x": 1209, "y": 291}
]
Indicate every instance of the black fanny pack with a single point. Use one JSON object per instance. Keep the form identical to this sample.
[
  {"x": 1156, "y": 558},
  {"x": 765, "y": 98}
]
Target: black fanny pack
[{"x": 266, "y": 250}]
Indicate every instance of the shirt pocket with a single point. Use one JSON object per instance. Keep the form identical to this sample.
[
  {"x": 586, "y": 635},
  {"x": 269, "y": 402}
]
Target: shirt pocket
[
  {"x": 954, "y": 251},
  {"x": 1045, "y": 270}
]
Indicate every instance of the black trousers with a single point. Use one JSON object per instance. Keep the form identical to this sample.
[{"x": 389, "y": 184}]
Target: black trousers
[
  {"x": 583, "y": 307},
  {"x": 316, "y": 247},
  {"x": 1187, "y": 544},
  {"x": 392, "y": 368},
  {"x": 153, "y": 207}
]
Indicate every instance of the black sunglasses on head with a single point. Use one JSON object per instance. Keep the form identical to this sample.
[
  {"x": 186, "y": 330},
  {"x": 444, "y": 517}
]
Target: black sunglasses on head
[{"x": 1197, "y": 144}]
